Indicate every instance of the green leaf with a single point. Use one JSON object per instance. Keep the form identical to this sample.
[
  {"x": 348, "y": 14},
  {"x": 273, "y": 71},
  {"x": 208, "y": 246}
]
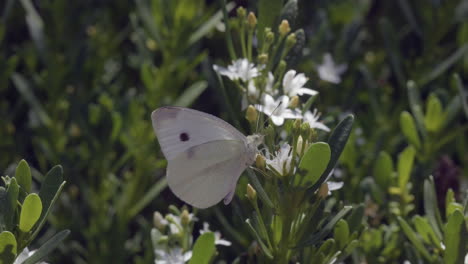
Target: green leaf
[
  {"x": 209, "y": 25},
  {"x": 444, "y": 66},
  {"x": 409, "y": 129},
  {"x": 268, "y": 11},
  {"x": 5, "y": 208},
  {"x": 431, "y": 209},
  {"x": 463, "y": 97},
  {"x": 405, "y": 165},
  {"x": 416, "y": 107},
  {"x": 265, "y": 249},
  {"x": 30, "y": 212},
  {"x": 337, "y": 142},
  {"x": 12, "y": 200},
  {"x": 424, "y": 229},
  {"x": 434, "y": 114},
  {"x": 341, "y": 233},
  {"x": 383, "y": 170},
  {"x": 23, "y": 176},
  {"x": 355, "y": 218},
  {"x": 191, "y": 94},
  {"x": 412, "y": 236},
  {"x": 8, "y": 247},
  {"x": 47, "y": 247},
  {"x": 289, "y": 12},
  {"x": 315, "y": 238},
  {"x": 314, "y": 162},
  {"x": 203, "y": 249},
  {"x": 455, "y": 239}
]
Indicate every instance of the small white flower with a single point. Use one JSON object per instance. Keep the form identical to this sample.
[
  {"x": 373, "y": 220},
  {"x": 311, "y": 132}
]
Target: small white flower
[
  {"x": 253, "y": 92},
  {"x": 293, "y": 84},
  {"x": 172, "y": 256},
  {"x": 312, "y": 119},
  {"x": 217, "y": 234},
  {"x": 277, "y": 110},
  {"x": 24, "y": 255},
  {"x": 282, "y": 161},
  {"x": 333, "y": 186},
  {"x": 329, "y": 71},
  {"x": 239, "y": 69}
]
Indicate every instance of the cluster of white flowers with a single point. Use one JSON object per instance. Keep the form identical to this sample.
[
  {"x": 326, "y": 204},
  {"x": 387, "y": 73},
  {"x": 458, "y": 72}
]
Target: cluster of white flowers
[{"x": 277, "y": 107}]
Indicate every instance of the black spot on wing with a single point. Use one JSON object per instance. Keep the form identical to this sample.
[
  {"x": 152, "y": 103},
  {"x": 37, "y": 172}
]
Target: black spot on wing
[{"x": 184, "y": 137}]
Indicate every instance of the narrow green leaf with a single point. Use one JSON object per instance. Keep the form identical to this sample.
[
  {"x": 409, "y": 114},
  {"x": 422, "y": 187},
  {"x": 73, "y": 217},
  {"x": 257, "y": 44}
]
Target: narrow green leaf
[
  {"x": 337, "y": 142},
  {"x": 289, "y": 12},
  {"x": 259, "y": 188},
  {"x": 355, "y": 218},
  {"x": 434, "y": 114},
  {"x": 50, "y": 186},
  {"x": 12, "y": 201},
  {"x": 149, "y": 196},
  {"x": 341, "y": 233},
  {"x": 23, "y": 176},
  {"x": 209, "y": 25},
  {"x": 443, "y": 66},
  {"x": 431, "y": 209},
  {"x": 203, "y": 249},
  {"x": 47, "y": 247},
  {"x": 389, "y": 36},
  {"x": 383, "y": 170},
  {"x": 412, "y": 236},
  {"x": 35, "y": 26},
  {"x": 191, "y": 94},
  {"x": 5, "y": 208},
  {"x": 314, "y": 162},
  {"x": 455, "y": 239},
  {"x": 409, "y": 129},
  {"x": 314, "y": 238},
  {"x": 463, "y": 97},
  {"x": 405, "y": 165},
  {"x": 416, "y": 107},
  {"x": 8, "y": 247},
  {"x": 424, "y": 229},
  {"x": 30, "y": 212},
  {"x": 265, "y": 249}
]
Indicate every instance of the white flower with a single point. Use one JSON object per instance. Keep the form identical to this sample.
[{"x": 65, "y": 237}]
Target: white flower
[
  {"x": 293, "y": 84},
  {"x": 277, "y": 110},
  {"x": 25, "y": 254},
  {"x": 329, "y": 71},
  {"x": 172, "y": 256},
  {"x": 312, "y": 119},
  {"x": 282, "y": 161},
  {"x": 239, "y": 69},
  {"x": 253, "y": 92},
  {"x": 333, "y": 186},
  {"x": 217, "y": 234}
]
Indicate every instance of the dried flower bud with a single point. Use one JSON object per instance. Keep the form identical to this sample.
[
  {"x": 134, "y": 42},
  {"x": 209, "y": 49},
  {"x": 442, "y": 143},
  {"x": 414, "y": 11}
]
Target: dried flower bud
[
  {"x": 251, "y": 20},
  {"x": 323, "y": 191},
  {"x": 294, "y": 102},
  {"x": 251, "y": 193},
  {"x": 263, "y": 58},
  {"x": 241, "y": 12},
  {"x": 251, "y": 114},
  {"x": 260, "y": 162},
  {"x": 284, "y": 28}
]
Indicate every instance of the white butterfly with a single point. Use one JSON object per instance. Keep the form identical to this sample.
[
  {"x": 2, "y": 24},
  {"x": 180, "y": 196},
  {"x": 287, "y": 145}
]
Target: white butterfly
[{"x": 205, "y": 154}]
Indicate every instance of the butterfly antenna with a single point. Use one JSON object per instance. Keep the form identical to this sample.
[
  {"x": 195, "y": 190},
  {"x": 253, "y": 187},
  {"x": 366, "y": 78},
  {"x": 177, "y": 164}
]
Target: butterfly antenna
[{"x": 269, "y": 116}]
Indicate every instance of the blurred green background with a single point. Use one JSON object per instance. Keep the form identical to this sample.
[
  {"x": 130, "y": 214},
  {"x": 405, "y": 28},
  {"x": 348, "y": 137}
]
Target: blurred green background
[{"x": 79, "y": 80}]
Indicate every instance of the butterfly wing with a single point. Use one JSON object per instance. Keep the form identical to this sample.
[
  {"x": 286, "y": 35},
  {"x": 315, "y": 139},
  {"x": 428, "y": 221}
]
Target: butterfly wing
[
  {"x": 205, "y": 174},
  {"x": 179, "y": 129}
]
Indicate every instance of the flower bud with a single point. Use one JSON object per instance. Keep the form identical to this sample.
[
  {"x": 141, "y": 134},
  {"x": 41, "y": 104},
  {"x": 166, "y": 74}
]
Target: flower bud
[
  {"x": 297, "y": 124},
  {"x": 299, "y": 144},
  {"x": 305, "y": 127},
  {"x": 260, "y": 162},
  {"x": 294, "y": 102},
  {"x": 284, "y": 28},
  {"x": 281, "y": 68},
  {"x": 251, "y": 20},
  {"x": 323, "y": 190},
  {"x": 159, "y": 221},
  {"x": 185, "y": 217},
  {"x": 263, "y": 58},
  {"x": 251, "y": 114},
  {"x": 241, "y": 12},
  {"x": 291, "y": 41},
  {"x": 251, "y": 193},
  {"x": 269, "y": 36}
]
